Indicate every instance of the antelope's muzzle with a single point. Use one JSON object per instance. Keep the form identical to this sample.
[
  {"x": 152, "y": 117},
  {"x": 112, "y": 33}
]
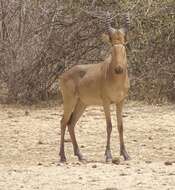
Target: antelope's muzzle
[{"x": 118, "y": 70}]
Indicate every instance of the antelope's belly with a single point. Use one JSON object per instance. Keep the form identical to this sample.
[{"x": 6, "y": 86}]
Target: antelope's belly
[
  {"x": 90, "y": 97},
  {"x": 91, "y": 100}
]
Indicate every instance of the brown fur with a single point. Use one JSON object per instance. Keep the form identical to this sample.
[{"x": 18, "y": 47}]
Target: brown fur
[{"x": 96, "y": 84}]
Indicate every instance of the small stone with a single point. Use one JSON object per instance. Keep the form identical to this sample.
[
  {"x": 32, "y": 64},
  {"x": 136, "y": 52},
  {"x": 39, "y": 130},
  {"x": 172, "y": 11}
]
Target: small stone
[
  {"x": 168, "y": 163},
  {"x": 150, "y": 138},
  {"x": 40, "y": 142},
  {"x": 154, "y": 171},
  {"x": 139, "y": 183},
  {"x": 82, "y": 146},
  {"x": 116, "y": 161},
  {"x": 123, "y": 174},
  {"x": 39, "y": 164},
  {"x": 26, "y": 113},
  {"x": 80, "y": 177},
  {"x": 148, "y": 161},
  {"x": 94, "y": 166},
  {"x": 61, "y": 164},
  {"x": 171, "y": 174}
]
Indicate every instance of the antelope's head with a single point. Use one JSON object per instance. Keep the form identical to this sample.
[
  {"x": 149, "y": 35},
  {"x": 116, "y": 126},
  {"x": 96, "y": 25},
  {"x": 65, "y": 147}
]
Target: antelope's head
[
  {"x": 117, "y": 40},
  {"x": 117, "y": 36}
]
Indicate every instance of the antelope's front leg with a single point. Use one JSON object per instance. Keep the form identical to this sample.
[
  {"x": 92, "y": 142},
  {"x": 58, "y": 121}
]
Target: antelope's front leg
[
  {"x": 123, "y": 151},
  {"x": 109, "y": 130}
]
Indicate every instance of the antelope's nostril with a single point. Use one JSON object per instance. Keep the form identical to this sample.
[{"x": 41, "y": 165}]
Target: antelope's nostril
[{"x": 118, "y": 70}]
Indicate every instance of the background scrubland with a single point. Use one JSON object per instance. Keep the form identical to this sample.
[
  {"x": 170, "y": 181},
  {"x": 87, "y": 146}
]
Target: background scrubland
[{"x": 39, "y": 39}]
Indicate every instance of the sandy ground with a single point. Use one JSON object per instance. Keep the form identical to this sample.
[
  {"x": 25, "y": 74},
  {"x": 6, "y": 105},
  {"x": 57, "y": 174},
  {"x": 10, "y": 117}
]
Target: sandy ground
[{"x": 29, "y": 145}]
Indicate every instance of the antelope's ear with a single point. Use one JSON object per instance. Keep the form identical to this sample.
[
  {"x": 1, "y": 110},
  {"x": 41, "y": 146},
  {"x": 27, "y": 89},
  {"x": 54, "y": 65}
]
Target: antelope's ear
[{"x": 105, "y": 38}]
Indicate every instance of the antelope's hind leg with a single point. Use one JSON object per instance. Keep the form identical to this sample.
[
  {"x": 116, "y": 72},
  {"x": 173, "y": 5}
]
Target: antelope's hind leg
[
  {"x": 68, "y": 104},
  {"x": 78, "y": 111}
]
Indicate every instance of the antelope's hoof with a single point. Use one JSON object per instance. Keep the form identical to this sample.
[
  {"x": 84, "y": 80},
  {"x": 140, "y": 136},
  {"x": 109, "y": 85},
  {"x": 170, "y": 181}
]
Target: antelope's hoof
[
  {"x": 108, "y": 160},
  {"x": 108, "y": 156},
  {"x": 81, "y": 158},
  {"x": 63, "y": 159},
  {"x": 125, "y": 155}
]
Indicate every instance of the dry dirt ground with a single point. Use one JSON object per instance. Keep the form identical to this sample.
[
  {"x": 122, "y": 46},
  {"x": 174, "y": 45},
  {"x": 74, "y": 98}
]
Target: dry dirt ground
[{"x": 29, "y": 145}]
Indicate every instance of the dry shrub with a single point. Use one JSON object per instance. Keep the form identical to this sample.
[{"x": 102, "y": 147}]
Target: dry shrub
[{"x": 40, "y": 39}]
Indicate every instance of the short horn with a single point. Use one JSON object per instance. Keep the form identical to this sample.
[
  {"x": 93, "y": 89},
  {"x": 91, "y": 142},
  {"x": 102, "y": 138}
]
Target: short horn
[{"x": 125, "y": 29}]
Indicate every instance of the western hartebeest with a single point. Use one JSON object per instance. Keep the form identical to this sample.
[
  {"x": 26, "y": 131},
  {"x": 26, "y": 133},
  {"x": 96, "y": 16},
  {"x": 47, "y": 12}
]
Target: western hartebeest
[{"x": 97, "y": 84}]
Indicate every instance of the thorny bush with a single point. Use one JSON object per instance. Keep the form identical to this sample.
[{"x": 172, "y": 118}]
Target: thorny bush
[{"x": 40, "y": 39}]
